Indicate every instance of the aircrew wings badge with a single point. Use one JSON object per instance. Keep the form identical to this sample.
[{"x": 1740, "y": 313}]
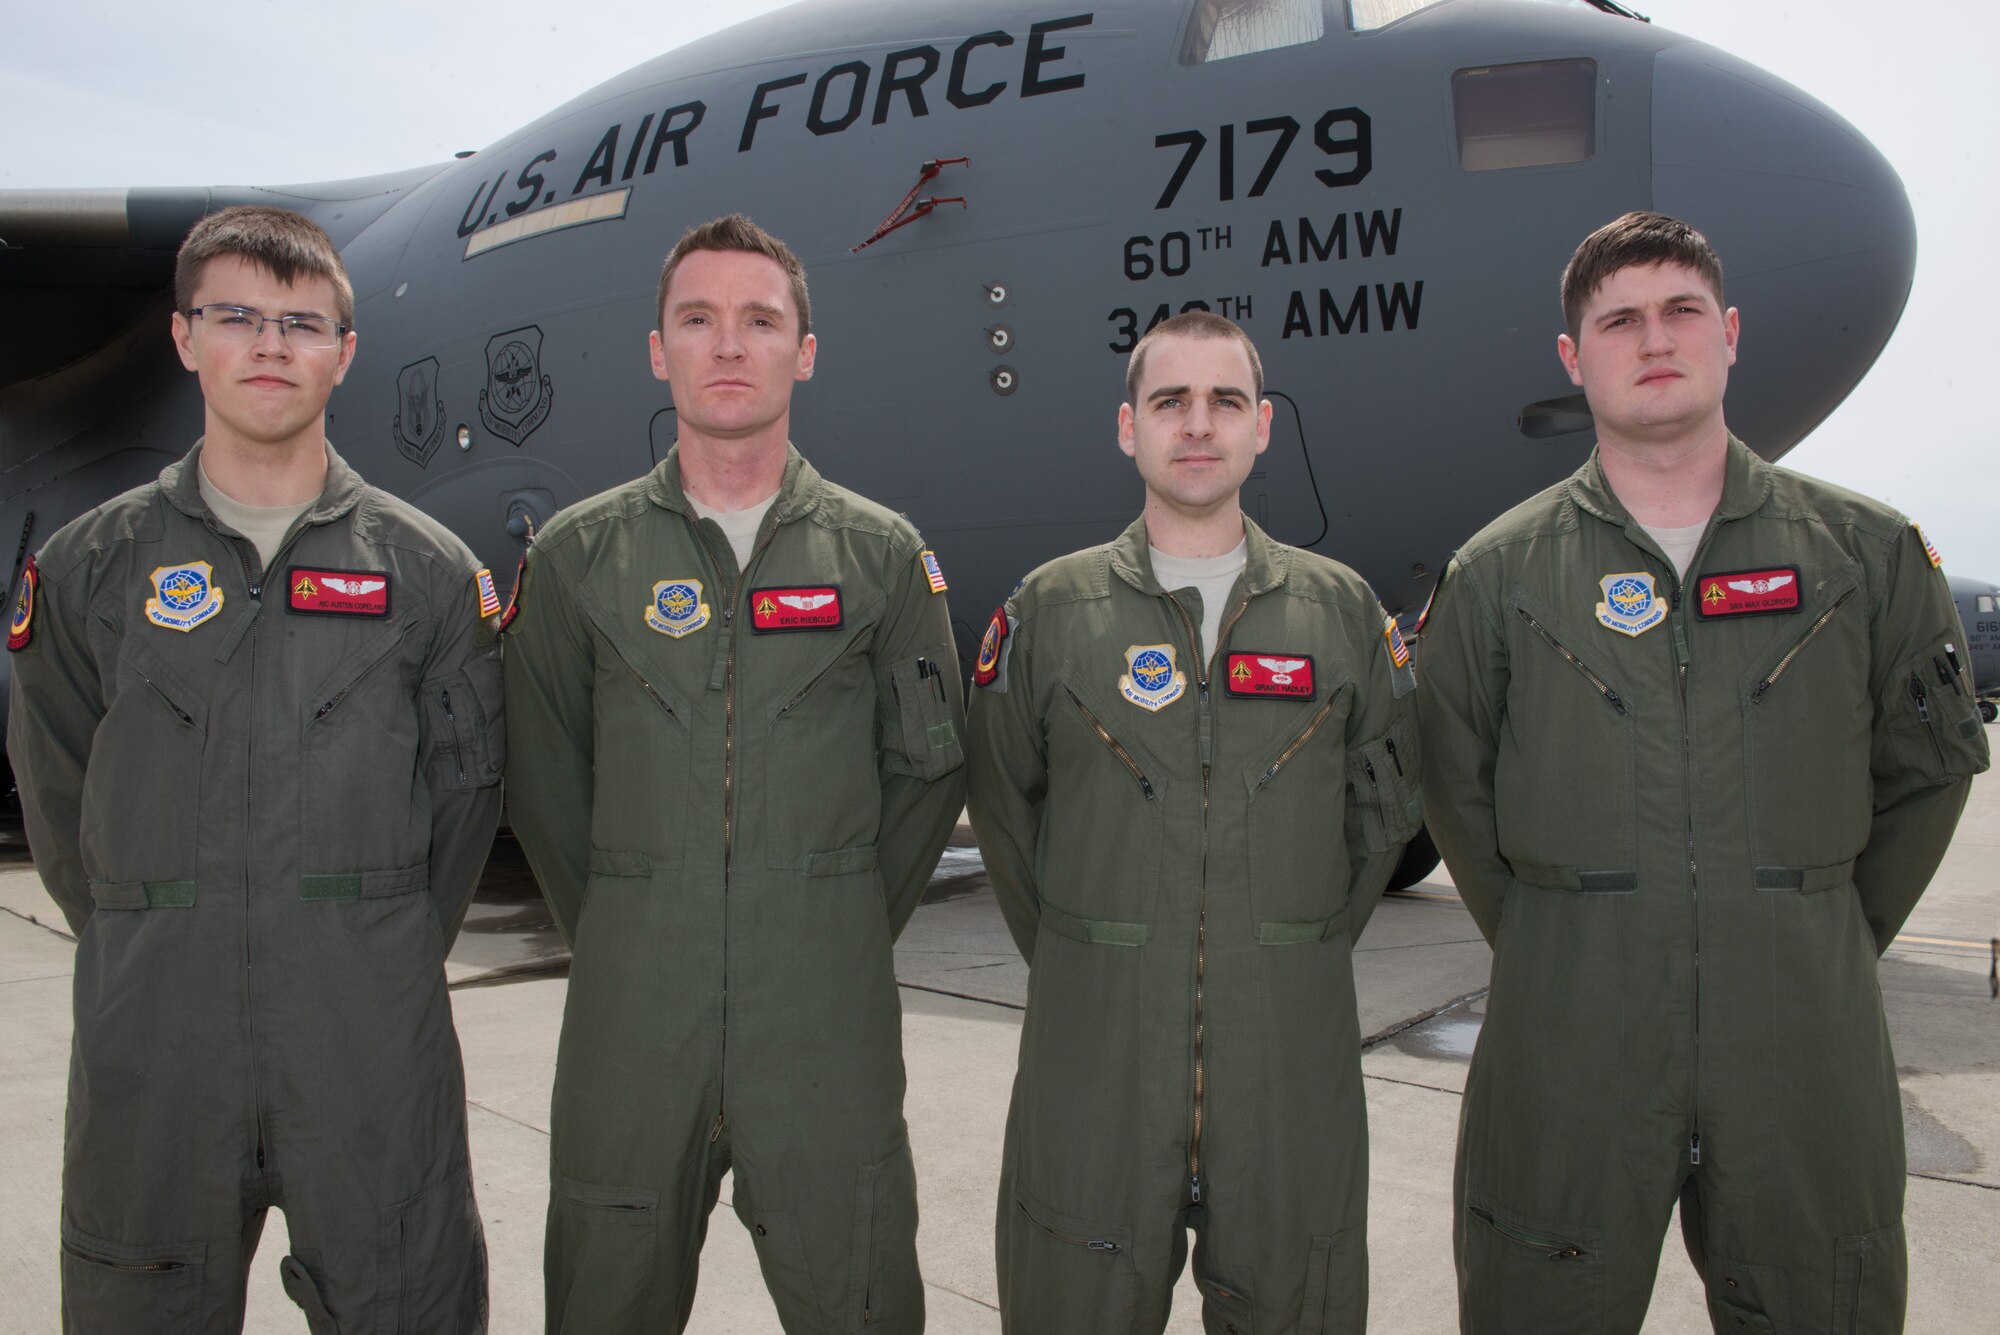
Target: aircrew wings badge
[
  {"x": 677, "y": 608},
  {"x": 806, "y": 607},
  {"x": 933, "y": 572},
  {"x": 1151, "y": 681},
  {"x": 21, "y": 629},
  {"x": 337, "y": 593},
  {"x": 1268, "y": 676},
  {"x": 1631, "y": 605},
  {"x": 184, "y": 596},
  {"x": 1742, "y": 593}
]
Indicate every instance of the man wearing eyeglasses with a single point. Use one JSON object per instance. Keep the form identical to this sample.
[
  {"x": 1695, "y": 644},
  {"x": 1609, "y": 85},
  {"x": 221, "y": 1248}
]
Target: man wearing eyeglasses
[{"x": 256, "y": 723}]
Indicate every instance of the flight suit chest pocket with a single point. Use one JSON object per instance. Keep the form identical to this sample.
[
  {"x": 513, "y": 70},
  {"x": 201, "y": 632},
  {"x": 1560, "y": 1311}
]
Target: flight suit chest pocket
[
  {"x": 1104, "y": 815},
  {"x": 359, "y": 748},
  {"x": 821, "y": 788},
  {"x": 641, "y": 740},
  {"x": 1565, "y": 777},
  {"x": 142, "y": 791},
  {"x": 1296, "y": 839}
]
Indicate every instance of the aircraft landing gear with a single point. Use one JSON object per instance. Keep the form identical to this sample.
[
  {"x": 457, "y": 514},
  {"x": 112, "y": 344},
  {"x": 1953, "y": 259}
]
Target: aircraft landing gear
[{"x": 1988, "y": 711}]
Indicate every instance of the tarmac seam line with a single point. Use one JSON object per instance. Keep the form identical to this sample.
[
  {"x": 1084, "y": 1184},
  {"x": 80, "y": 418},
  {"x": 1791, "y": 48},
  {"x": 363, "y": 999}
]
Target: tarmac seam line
[
  {"x": 506, "y": 1117},
  {"x": 976, "y": 1302},
  {"x": 31, "y": 918},
  {"x": 1955, "y": 1181},
  {"x": 962, "y": 996},
  {"x": 1376, "y": 1040},
  {"x": 42, "y": 978},
  {"x": 1414, "y": 1084},
  {"x": 1422, "y": 945}
]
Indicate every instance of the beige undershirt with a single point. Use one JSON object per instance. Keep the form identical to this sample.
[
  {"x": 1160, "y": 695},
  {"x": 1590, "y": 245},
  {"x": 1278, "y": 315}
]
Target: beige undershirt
[
  {"x": 1678, "y": 543},
  {"x": 739, "y": 526},
  {"x": 264, "y": 525},
  {"x": 1212, "y": 576}
]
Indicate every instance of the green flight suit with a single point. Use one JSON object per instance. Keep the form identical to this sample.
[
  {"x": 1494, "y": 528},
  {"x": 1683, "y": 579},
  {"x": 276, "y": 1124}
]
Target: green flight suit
[
  {"x": 1689, "y": 815},
  {"x": 1184, "y": 854},
  {"x": 732, "y": 823},
  {"x": 264, "y": 812}
]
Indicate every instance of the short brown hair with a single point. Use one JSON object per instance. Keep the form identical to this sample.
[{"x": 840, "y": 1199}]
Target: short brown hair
[
  {"x": 289, "y": 245},
  {"x": 737, "y": 232},
  {"x": 1637, "y": 239},
  {"x": 1192, "y": 324}
]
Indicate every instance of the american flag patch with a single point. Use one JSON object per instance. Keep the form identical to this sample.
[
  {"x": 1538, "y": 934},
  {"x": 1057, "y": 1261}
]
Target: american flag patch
[
  {"x": 1392, "y": 635},
  {"x": 489, "y": 597},
  {"x": 931, "y": 570},
  {"x": 1930, "y": 551}
]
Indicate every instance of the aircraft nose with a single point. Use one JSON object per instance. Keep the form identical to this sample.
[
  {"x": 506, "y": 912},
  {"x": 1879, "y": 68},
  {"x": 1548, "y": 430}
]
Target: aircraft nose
[{"x": 1815, "y": 231}]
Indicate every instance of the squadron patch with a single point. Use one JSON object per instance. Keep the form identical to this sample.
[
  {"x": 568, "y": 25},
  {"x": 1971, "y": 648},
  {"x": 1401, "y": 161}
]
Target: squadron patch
[
  {"x": 489, "y": 597},
  {"x": 677, "y": 608},
  {"x": 184, "y": 596},
  {"x": 1929, "y": 550},
  {"x": 1631, "y": 605},
  {"x": 992, "y": 660},
  {"x": 933, "y": 572},
  {"x": 1743, "y": 593},
  {"x": 338, "y": 593},
  {"x": 807, "y": 607},
  {"x": 1268, "y": 676},
  {"x": 1152, "y": 681},
  {"x": 514, "y": 596},
  {"x": 21, "y": 629}
]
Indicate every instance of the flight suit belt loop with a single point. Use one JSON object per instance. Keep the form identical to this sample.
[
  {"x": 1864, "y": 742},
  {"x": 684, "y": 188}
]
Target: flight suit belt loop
[
  {"x": 142, "y": 894},
  {"x": 1805, "y": 880},
  {"x": 1301, "y": 933},
  {"x": 365, "y": 884},
  {"x": 1584, "y": 882},
  {"x": 1094, "y": 931}
]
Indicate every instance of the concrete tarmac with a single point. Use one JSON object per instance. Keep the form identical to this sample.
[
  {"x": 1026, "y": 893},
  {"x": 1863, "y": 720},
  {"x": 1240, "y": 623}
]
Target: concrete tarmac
[{"x": 1421, "y": 972}]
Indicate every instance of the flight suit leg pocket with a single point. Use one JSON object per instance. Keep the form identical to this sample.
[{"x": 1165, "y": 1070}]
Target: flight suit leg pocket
[
  {"x": 1526, "y": 1274},
  {"x": 433, "y": 1261},
  {"x": 602, "y": 1251},
  {"x": 782, "y": 1257},
  {"x": 930, "y": 743},
  {"x": 1871, "y": 1282},
  {"x": 1336, "y": 1295},
  {"x": 1063, "y": 1274},
  {"x": 110, "y": 1285},
  {"x": 885, "y": 1289}
]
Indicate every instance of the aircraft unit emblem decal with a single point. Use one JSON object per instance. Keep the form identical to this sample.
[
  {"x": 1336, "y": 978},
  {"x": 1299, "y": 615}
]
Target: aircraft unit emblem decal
[
  {"x": 1742, "y": 593},
  {"x": 184, "y": 596},
  {"x": 801, "y": 607},
  {"x": 517, "y": 397},
  {"x": 1256, "y": 675},
  {"x": 1631, "y": 605},
  {"x": 677, "y": 608},
  {"x": 1152, "y": 681},
  {"x": 420, "y": 423}
]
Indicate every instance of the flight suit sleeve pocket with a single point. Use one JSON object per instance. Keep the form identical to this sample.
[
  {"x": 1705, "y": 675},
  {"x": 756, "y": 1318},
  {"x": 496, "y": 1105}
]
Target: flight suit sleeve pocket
[
  {"x": 1934, "y": 718},
  {"x": 929, "y": 745},
  {"x": 1382, "y": 781},
  {"x": 465, "y": 746},
  {"x": 109, "y": 1285}
]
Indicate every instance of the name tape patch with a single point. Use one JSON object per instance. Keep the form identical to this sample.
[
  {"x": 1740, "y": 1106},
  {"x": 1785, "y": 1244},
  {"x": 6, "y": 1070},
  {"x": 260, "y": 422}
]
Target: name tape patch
[
  {"x": 1743, "y": 593},
  {"x": 337, "y": 593},
  {"x": 1269, "y": 676},
  {"x": 805, "y": 607}
]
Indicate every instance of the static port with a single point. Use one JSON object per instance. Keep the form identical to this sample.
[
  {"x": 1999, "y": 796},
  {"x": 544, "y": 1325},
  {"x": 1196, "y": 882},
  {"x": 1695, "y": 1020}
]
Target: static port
[
  {"x": 999, "y": 338},
  {"x": 1004, "y": 380}
]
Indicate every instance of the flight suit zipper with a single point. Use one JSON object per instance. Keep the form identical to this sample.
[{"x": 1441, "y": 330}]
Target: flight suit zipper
[
  {"x": 1117, "y": 748},
  {"x": 1076, "y": 1240},
  {"x": 728, "y": 609},
  {"x": 1206, "y": 742},
  {"x": 1611, "y": 697},
  {"x": 1556, "y": 1248}
]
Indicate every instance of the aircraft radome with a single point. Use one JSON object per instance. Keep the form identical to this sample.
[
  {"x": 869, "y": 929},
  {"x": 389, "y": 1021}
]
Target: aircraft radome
[{"x": 1382, "y": 192}]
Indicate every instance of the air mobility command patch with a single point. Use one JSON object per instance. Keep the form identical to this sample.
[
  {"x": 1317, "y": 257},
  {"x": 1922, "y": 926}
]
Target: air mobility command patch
[
  {"x": 337, "y": 593},
  {"x": 184, "y": 596},
  {"x": 1262, "y": 676},
  {"x": 21, "y": 629},
  {"x": 677, "y": 608},
  {"x": 489, "y": 597},
  {"x": 990, "y": 668},
  {"x": 1930, "y": 551},
  {"x": 809, "y": 607},
  {"x": 1744, "y": 593},
  {"x": 1151, "y": 681},
  {"x": 933, "y": 573},
  {"x": 1402, "y": 677},
  {"x": 1631, "y": 605}
]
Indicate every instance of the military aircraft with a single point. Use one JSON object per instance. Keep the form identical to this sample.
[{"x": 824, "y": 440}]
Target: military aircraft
[
  {"x": 994, "y": 203},
  {"x": 1979, "y": 614}
]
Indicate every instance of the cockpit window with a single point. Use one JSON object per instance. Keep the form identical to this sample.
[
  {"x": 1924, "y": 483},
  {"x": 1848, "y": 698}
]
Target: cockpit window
[
  {"x": 1986, "y": 604},
  {"x": 1366, "y": 15},
  {"x": 1224, "y": 28},
  {"x": 1530, "y": 115}
]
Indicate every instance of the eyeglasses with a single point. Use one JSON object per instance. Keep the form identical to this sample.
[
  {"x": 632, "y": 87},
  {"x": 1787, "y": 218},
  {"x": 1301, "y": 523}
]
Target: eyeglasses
[{"x": 240, "y": 324}]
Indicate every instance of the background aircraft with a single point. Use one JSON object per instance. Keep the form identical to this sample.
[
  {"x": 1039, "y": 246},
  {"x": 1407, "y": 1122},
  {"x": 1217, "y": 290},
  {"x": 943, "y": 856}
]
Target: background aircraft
[
  {"x": 1382, "y": 191},
  {"x": 1979, "y": 613}
]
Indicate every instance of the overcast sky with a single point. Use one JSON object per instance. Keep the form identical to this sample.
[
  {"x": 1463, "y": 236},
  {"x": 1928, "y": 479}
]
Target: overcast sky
[{"x": 123, "y": 93}]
